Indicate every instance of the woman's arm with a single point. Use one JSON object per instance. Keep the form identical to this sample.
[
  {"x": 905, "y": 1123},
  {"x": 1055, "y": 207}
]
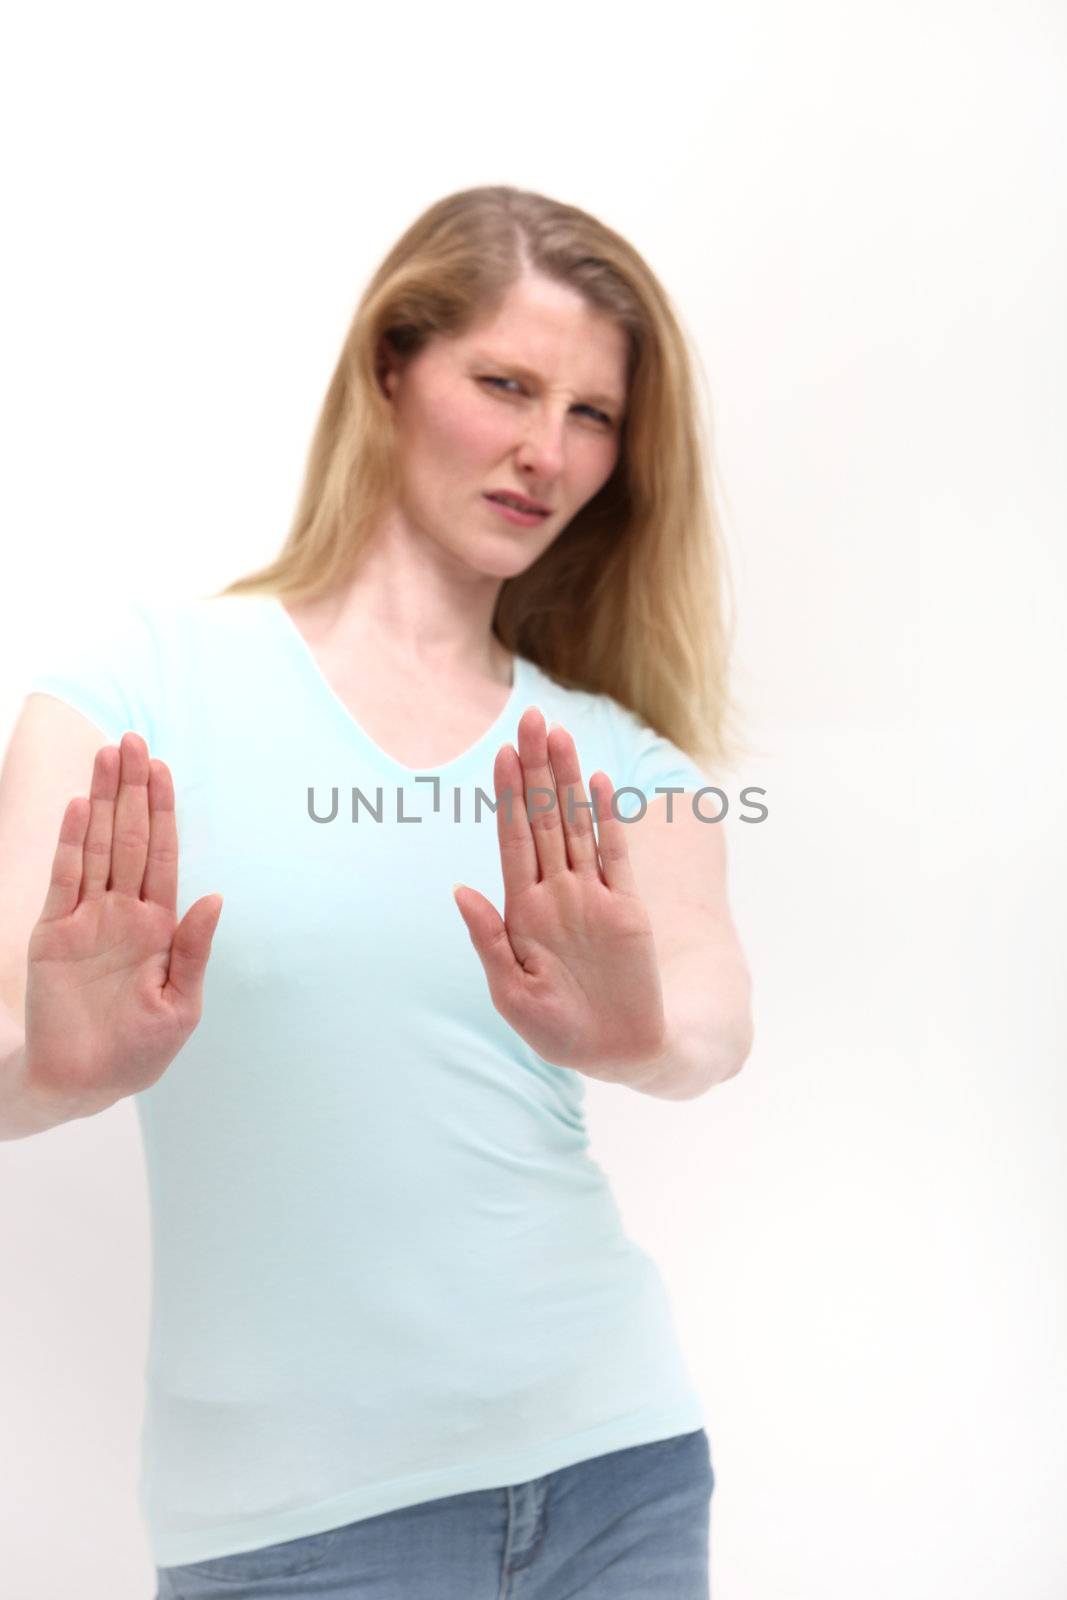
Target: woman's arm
[{"x": 679, "y": 866}]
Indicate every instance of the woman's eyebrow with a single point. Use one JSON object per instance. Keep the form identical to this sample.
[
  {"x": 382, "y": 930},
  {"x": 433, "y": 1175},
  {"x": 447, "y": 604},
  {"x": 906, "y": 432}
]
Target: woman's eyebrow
[{"x": 486, "y": 358}]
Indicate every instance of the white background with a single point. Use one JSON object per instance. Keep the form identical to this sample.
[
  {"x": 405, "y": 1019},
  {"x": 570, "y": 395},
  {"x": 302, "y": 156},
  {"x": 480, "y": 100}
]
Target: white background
[{"x": 858, "y": 212}]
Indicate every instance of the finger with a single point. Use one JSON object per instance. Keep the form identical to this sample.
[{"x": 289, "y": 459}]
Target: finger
[
  {"x": 614, "y": 851},
  {"x": 129, "y": 836},
  {"x": 489, "y": 936},
  {"x": 64, "y": 884},
  {"x": 96, "y": 852},
  {"x": 518, "y": 853},
  {"x": 190, "y": 949},
  {"x": 161, "y": 871},
  {"x": 542, "y": 801},
  {"x": 576, "y": 809}
]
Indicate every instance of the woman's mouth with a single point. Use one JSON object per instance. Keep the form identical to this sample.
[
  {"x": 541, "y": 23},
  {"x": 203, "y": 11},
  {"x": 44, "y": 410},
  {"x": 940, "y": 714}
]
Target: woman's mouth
[{"x": 525, "y": 519}]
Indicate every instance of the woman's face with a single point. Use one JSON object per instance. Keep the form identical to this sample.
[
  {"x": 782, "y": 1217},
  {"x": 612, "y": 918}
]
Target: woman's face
[{"x": 529, "y": 401}]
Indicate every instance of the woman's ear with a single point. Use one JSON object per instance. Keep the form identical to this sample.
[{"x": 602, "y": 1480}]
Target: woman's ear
[{"x": 387, "y": 367}]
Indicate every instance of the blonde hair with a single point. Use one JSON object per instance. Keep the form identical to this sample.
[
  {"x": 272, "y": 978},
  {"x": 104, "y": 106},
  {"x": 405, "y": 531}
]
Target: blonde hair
[{"x": 628, "y": 599}]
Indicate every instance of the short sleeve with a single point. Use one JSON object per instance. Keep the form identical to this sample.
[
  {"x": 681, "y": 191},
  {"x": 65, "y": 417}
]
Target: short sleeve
[
  {"x": 649, "y": 762},
  {"x": 109, "y": 670}
]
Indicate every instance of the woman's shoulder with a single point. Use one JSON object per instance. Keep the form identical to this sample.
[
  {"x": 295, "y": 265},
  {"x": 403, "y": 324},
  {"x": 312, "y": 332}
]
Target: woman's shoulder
[
  {"x": 561, "y": 700},
  {"x": 591, "y": 705},
  {"x": 612, "y": 735},
  {"x": 604, "y": 731},
  {"x": 197, "y": 617}
]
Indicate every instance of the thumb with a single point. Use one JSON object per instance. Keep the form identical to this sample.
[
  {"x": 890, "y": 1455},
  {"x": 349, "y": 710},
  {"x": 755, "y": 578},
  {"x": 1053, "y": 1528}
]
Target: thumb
[
  {"x": 489, "y": 934},
  {"x": 191, "y": 946}
]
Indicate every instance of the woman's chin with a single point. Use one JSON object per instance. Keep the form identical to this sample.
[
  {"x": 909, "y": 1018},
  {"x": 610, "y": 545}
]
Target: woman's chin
[{"x": 499, "y": 558}]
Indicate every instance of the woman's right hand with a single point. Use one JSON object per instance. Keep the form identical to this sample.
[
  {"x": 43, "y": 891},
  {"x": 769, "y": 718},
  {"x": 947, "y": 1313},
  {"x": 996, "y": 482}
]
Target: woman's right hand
[{"x": 114, "y": 983}]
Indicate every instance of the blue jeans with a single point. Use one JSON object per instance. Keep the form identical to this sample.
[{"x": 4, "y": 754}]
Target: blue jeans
[{"x": 621, "y": 1526}]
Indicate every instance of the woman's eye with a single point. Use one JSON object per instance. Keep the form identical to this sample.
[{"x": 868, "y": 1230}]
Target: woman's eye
[{"x": 592, "y": 410}]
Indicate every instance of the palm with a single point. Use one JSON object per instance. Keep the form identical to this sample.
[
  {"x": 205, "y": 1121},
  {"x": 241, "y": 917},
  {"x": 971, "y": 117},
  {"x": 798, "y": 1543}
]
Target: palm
[
  {"x": 587, "y": 985},
  {"x": 572, "y": 964},
  {"x": 95, "y": 981},
  {"x": 114, "y": 981}
]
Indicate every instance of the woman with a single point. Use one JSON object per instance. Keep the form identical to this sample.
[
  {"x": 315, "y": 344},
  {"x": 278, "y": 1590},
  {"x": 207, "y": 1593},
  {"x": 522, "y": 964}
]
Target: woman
[{"x": 401, "y": 1344}]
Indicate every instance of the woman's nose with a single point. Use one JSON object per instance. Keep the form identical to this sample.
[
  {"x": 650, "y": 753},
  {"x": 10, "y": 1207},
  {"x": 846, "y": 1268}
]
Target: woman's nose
[{"x": 541, "y": 447}]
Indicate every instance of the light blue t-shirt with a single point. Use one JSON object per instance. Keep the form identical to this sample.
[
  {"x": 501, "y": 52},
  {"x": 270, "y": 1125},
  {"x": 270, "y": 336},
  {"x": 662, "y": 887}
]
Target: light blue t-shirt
[{"x": 386, "y": 1267}]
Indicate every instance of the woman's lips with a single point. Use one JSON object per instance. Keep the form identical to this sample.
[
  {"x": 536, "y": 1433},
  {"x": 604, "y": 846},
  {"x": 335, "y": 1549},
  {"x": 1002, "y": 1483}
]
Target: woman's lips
[{"x": 525, "y": 519}]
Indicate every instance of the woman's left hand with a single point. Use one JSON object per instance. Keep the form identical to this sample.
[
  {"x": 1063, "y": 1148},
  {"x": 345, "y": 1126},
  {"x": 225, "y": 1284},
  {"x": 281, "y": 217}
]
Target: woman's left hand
[{"x": 571, "y": 965}]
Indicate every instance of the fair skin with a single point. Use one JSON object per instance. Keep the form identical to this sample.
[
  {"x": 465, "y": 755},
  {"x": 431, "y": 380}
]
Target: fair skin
[
  {"x": 618, "y": 960},
  {"x": 408, "y": 644},
  {"x": 615, "y": 954}
]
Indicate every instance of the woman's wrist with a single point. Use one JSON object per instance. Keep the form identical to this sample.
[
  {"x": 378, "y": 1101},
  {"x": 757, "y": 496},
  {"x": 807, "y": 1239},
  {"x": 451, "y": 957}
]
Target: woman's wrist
[{"x": 26, "y": 1106}]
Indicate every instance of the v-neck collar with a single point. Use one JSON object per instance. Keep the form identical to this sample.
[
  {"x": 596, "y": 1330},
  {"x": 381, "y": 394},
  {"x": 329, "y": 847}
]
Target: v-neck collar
[{"x": 299, "y": 652}]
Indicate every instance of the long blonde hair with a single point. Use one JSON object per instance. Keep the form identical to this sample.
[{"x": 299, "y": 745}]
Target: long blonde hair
[{"x": 629, "y": 599}]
